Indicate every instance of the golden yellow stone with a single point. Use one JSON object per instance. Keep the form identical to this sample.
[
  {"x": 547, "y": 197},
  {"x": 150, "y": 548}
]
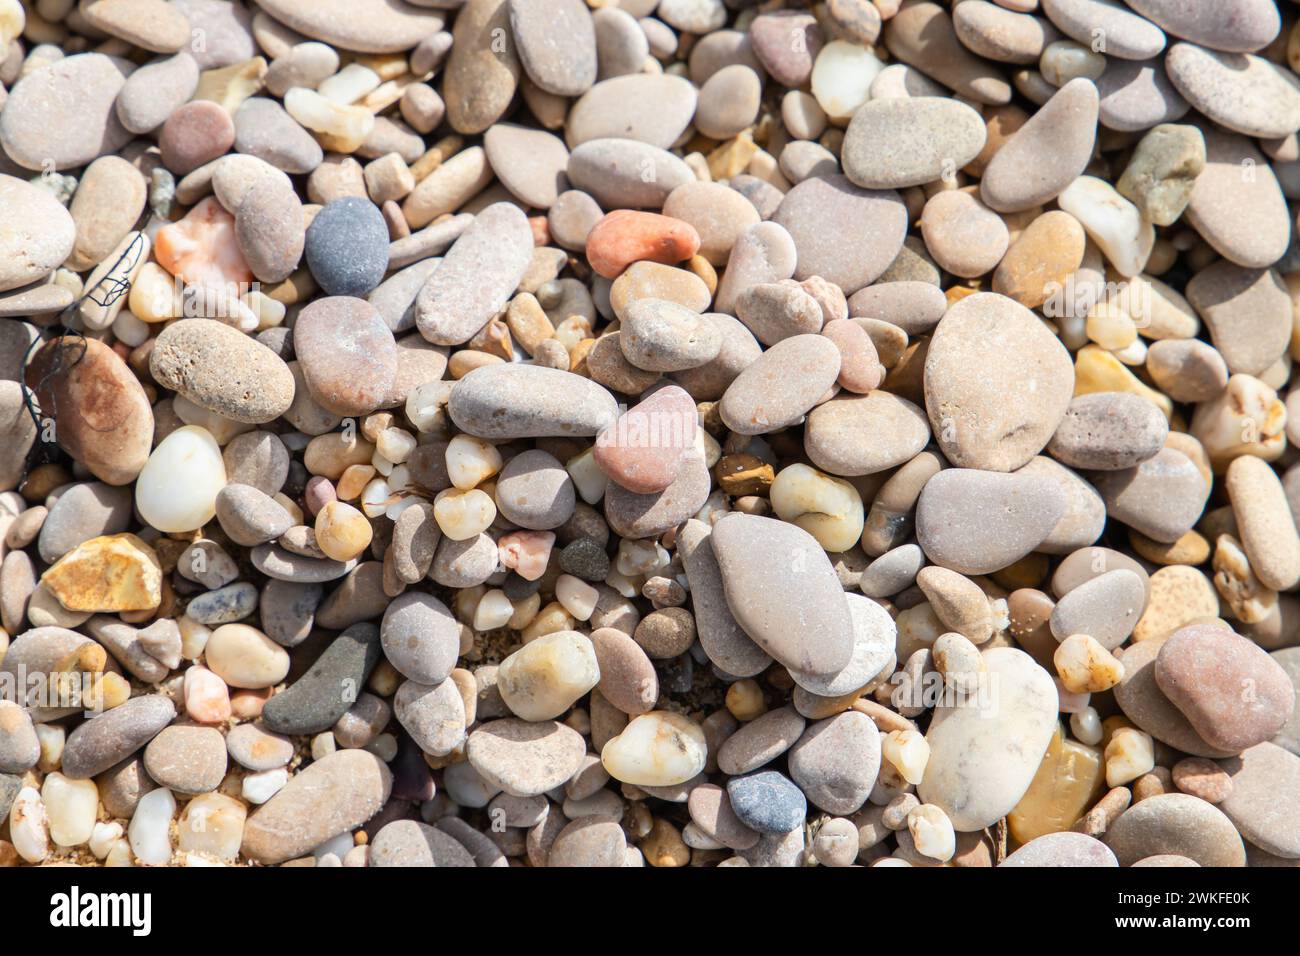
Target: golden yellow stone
[
  {"x": 1096, "y": 370},
  {"x": 1192, "y": 548},
  {"x": 112, "y": 573},
  {"x": 663, "y": 846},
  {"x": 1068, "y": 781}
]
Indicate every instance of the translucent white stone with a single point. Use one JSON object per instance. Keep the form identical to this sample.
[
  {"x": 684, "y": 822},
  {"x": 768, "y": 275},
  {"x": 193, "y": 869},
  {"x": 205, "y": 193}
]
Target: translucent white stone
[
  {"x": 577, "y": 596},
  {"x": 470, "y": 461},
  {"x": 28, "y": 827},
  {"x": 257, "y": 788},
  {"x": 932, "y": 832},
  {"x": 213, "y": 824},
  {"x": 150, "y": 829},
  {"x": 545, "y": 677},
  {"x": 1111, "y": 221},
  {"x": 103, "y": 837},
  {"x": 589, "y": 481},
  {"x": 493, "y": 611},
  {"x": 70, "y": 808},
  {"x": 658, "y": 749},
  {"x": 177, "y": 490},
  {"x": 842, "y": 76}
]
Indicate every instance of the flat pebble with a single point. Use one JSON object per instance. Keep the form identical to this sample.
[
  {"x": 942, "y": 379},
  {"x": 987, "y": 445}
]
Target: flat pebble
[
  {"x": 1179, "y": 824},
  {"x": 334, "y": 794},
  {"x": 523, "y": 758}
]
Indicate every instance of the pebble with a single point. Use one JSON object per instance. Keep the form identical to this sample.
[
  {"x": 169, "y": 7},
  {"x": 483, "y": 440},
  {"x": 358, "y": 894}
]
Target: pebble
[
  {"x": 626, "y": 173},
  {"x": 266, "y": 130},
  {"x": 923, "y": 36},
  {"x": 258, "y": 749},
  {"x": 370, "y": 26},
  {"x": 347, "y": 354},
  {"x": 1162, "y": 497},
  {"x": 835, "y": 762},
  {"x": 962, "y": 234},
  {"x": 523, "y": 758},
  {"x": 1175, "y": 823},
  {"x": 763, "y": 597},
  {"x": 556, "y": 44},
  {"x": 105, "y": 207},
  {"x": 767, "y": 802},
  {"x": 895, "y": 143},
  {"x": 434, "y": 716},
  {"x": 98, "y": 744},
  {"x": 1108, "y": 431},
  {"x": 313, "y": 703},
  {"x": 461, "y": 295},
  {"x": 415, "y": 844},
  {"x": 152, "y": 92},
  {"x": 979, "y": 426},
  {"x": 721, "y": 636},
  {"x": 334, "y": 794},
  {"x": 985, "y": 749},
  {"x": 19, "y": 747},
  {"x": 975, "y": 522},
  {"x": 187, "y": 759},
  {"x": 111, "y": 436},
  {"x": 845, "y": 234},
  {"x": 1242, "y": 92},
  {"x": 178, "y": 486},
  {"x": 1062, "y": 849},
  {"x": 1242, "y": 309},
  {"x": 1261, "y": 799},
  {"x": 62, "y": 114},
  {"x": 1203, "y": 669},
  {"x": 647, "y": 107},
  {"x": 501, "y": 402},
  {"x": 1241, "y": 217},
  {"x": 645, "y": 449},
  {"x": 244, "y": 657},
  {"x": 215, "y": 366},
  {"x": 753, "y": 404}
]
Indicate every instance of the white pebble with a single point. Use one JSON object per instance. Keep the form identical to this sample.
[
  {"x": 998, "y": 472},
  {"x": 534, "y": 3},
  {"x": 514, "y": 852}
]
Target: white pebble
[
  {"x": 257, "y": 788},
  {"x": 470, "y": 461},
  {"x": 577, "y": 596},
  {"x": 658, "y": 749},
  {"x": 932, "y": 832},
  {"x": 177, "y": 490},
  {"x": 70, "y": 808},
  {"x": 150, "y": 829},
  {"x": 28, "y": 828}
]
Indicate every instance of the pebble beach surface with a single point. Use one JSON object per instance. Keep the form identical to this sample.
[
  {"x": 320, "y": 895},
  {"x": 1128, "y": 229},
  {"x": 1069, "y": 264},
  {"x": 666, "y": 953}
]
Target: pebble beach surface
[{"x": 649, "y": 433}]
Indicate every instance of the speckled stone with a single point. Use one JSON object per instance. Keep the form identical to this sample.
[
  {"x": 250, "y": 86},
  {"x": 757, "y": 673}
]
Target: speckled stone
[
  {"x": 334, "y": 794},
  {"x": 347, "y": 354},
  {"x": 845, "y": 234},
  {"x": 114, "y": 735},
  {"x": 347, "y": 247},
  {"x": 316, "y": 700},
  {"x": 767, "y": 802}
]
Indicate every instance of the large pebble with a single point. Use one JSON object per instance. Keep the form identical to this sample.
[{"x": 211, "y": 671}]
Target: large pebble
[
  {"x": 723, "y": 639},
  {"x": 1107, "y": 431},
  {"x": 626, "y": 173},
  {"x": 477, "y": 276},
  {"x": 219, "y": 368},
  {"x": 1243, "y": 218},
  {"x": 556, "y": 44},
  {"x": 658, "y": 749},
  {"x": 985, "y": 749},
  {"x": 333, "y": 795},
  {"x": 648, "y": 107},
  {"x": 524, "y": 758},
  {"x": 789, "y": 601},
  {"x": 1231, "y": 691},
  {"x": 893, "y": 143},
  {"x": 778, "y": 389},
  {"x": 845, "y": 234},
  {"x": 1143, "y": 702},
  {"x": 103, "y": 416},
  {"x": 1262, "y": 805},
  {"x": 1047, "y": 153},
  {"x": 319, "y": 698},
  {"x": 98, "y": 744},
  {"x": 1163, "y": 497},
  {"x": 977, "y": 522},
  {"x": 835, "y": 433},
  {"x": 836, "y": 760},
  {"x": 997, "y": 383},
  {"x": 1176, "y": 823},
  {"x": 1244, "y": 93},
  {"x": 366, "y": 26},
  {"x": 347, "y": 354},
  {"x": 178, "y": 486},
  {"x": 509, "y": 401},
  {"x": 62, "y": 115}
]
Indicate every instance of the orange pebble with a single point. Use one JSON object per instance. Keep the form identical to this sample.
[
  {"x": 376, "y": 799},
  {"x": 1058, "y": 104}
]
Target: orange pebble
[
  {"x": 207, "y": 699},
  {"x": 625, "y": 236},
  {"x": 201, "y": 248}
]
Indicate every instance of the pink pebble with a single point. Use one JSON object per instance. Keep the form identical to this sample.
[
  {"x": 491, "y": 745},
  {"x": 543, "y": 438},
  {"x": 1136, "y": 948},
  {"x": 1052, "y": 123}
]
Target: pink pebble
[
  {"x": 207, "y": 699},
  {"x": 643, "y": 450},
  {"x": 860, "y": 368},
  {"x": 526, "y": 552},
  {"x": 194, "y": 134},
  {"x": 318, "y": 493}
]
